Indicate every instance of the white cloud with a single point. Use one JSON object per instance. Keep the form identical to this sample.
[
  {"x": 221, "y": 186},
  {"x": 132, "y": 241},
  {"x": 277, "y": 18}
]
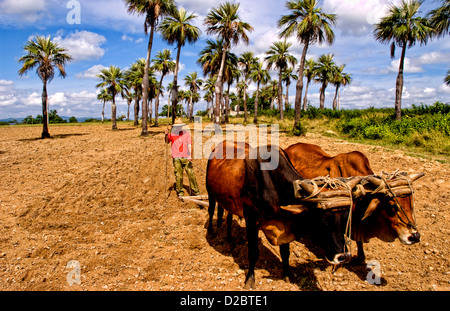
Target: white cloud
[
  {"x": 28, "y": 10},
  {"x": 90, "y": 73},
  {"x": 82, "y": 45},
  {"x": 409, "y": 66},
  {"x": 434, "y": 58},
  {"x": 356, "y": 17}
]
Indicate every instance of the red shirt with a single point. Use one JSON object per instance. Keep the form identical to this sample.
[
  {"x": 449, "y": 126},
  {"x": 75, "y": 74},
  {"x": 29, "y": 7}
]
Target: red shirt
[{"x": 180, "y": 145}]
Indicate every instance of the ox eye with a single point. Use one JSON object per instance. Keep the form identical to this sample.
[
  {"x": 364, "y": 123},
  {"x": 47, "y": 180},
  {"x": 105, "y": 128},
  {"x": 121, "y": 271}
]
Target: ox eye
[{"x": 391, "y": 210}]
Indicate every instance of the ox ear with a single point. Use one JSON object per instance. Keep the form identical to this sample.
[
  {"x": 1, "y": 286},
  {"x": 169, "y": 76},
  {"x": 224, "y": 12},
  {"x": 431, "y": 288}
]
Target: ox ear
[
  {"x": 294, "y": 209},
  {"x": 371, "y": 208}
]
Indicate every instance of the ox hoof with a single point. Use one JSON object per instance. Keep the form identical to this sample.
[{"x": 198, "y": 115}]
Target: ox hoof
[{"x": 250, "y": 282}]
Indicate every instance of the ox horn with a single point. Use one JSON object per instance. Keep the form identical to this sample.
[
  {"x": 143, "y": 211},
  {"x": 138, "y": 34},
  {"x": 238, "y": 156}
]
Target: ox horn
[
  {"x": 307, "y": 185},
  {"x": 371, "y": 208},
  {"x": 352, "y": 182},
  {"x": 414, "y": 177}
]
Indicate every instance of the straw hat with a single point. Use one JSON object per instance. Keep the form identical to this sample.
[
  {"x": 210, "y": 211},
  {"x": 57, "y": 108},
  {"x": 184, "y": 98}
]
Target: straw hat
[{"x": 178, "y": 123}]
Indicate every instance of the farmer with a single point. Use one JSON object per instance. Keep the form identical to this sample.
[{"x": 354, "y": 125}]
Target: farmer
[{"x": 181, "y": 156}]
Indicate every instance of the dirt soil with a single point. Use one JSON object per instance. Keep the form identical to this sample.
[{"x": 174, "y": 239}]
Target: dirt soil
[{"x": 100, "y": 197}]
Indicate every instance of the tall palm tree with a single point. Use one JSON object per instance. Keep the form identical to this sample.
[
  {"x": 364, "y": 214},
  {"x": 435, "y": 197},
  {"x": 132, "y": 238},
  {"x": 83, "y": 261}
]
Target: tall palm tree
[
  {"x": 135, "y": 76},
  {"x": 259, "y": 75},
  {"x": 286, "y": 77},
  {"x": 440, "y": 19},
  {"x": 210, "y": 60},
  {"x": 112, "y": 79},
  {"x": 309, "y": 73},
  {"x": 104, "y": 96},
  {"x": 44, "y": 55},
  {"x": 153, "y": 10},
  {"x": 178, "y": 28},
  {"x": 224, "y": 21},
  {"x": 402, "y": 27},
  {"x": 165, "y": 65},
  {"x": 307, "y": 21},
  {"x": 325, "y": 70},
  {"x": 246, "y": 62},
  {"x": 209, "y": 87},
  {"x": 194, "y": 83},
  {"x": 339, "y": 78},
  {"x": 278, "y": 56}
]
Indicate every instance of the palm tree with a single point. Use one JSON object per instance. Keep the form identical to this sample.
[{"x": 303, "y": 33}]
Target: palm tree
[
  {"x": 325, "y": 70},
  {"x": 259, "y": 75},
  {"x": 178, "y": 28},
  {"x": 339, "y": 78},
  {"x": 210, "y": 59},
  {"x": 44, "y": 55},
  {"x": 225, "y": 22},
  {"x": 135, "y": 76},
  {"x": 153, "y": 11},
  {"x": 310, "y": 25},
  {"x": 246, "y": 62},
  {"x": 279, "y": 57},
  {"x": 209, "y": 87},
  {"x": 104, "y": 96},
  {"x": 309, "y": 73},
  {"x": 112, "y": 80},
  {"x": 165, "y": 65},
  {"x": 440, "y": 19},
  {"x": 193, "y": 82},
  {"x": 286, "y": 77},
  {"x": 402, "y": 27}
]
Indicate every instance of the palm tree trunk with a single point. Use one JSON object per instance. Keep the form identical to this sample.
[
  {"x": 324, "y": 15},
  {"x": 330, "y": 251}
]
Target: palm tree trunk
[
  {"x": 280, "y": 96},
  {"x": 245, "y": 102},
  {"x": 136, "y": 108},
  {"x": 299, "y": 87},
  {"x": 146, "y": 83},
  {"x": 255, "y": 119},
  {"x": 191, "y": 108},
  {"x": 286, "y": 104},
  {"x": 322, "y": 96},
  {"x": 113, "y": 112},
  {"x": 335, "y": 98},
  {"x": 103, "y": 111},
  {"x": 305, "y": 99},
  {"x": 150, "y": 110},
  {"x": 227, "y": 104},
  {"x": 157, "y": 100},
  {"x": 128, "y": 112},
  {"x": 219, "y": 86},
  {"x": 45, "y": 133},
  {"x": 175, "y": 86},
  {"x": 399, "y": 85}
]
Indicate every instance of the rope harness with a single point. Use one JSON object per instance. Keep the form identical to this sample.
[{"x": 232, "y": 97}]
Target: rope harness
[{"x": 335, "y": 184}]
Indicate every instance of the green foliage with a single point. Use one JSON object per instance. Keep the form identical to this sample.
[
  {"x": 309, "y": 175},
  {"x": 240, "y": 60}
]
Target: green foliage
[
  {"x": 54, "y": 118},
  {"x": 73, "y": 120},
  {"x": 299, "y": 130},
  {"x": 426, "y": 127}
]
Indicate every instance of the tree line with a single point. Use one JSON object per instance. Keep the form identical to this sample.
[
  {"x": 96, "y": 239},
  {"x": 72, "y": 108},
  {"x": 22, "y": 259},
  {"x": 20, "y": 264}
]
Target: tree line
[{"x": 402, "y": 27}]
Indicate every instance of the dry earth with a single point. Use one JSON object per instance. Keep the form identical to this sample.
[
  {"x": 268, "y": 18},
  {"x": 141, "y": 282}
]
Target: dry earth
[{"x": 99, "y": 197}]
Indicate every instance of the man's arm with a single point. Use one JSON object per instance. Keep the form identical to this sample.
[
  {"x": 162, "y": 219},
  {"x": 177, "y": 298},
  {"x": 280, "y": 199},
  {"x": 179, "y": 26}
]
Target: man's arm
[{"x": 166, "y": 137}]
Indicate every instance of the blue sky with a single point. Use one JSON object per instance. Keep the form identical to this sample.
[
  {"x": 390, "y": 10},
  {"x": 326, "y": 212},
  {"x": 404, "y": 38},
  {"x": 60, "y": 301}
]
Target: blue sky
[{"x": 108, "y": 35}]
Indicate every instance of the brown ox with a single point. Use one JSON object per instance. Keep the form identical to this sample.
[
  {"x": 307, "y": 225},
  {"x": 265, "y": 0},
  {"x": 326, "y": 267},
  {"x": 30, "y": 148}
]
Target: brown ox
[
  {"x": 265, "y": 199},
  {"x": 374, "y": 216}
]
